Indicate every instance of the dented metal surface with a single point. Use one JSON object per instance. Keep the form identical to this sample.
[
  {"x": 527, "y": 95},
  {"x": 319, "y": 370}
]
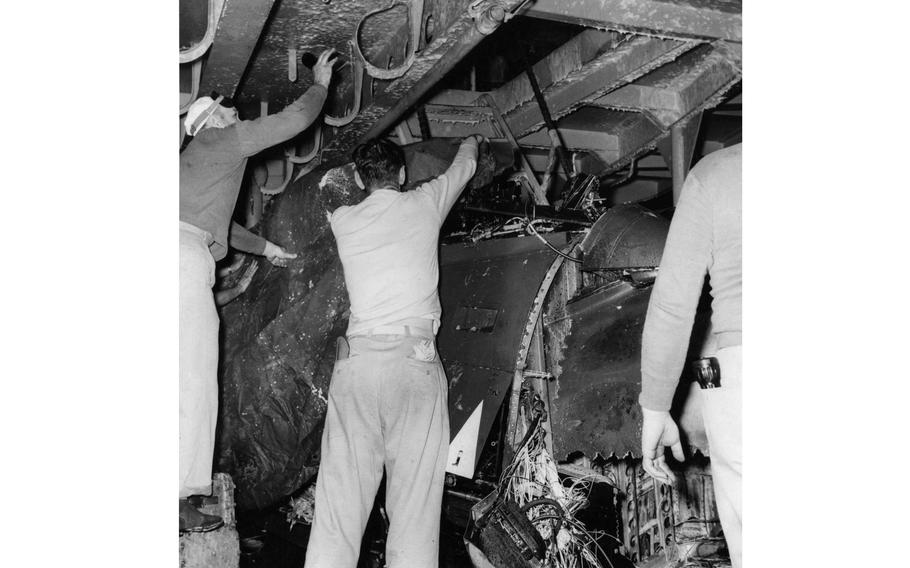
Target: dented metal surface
[
  {"x": 596, "y": 409},
  {"x": 593, "y": 321}
]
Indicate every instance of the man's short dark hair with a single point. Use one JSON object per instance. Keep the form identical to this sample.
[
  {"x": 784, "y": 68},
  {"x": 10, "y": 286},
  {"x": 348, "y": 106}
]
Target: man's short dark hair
[{"x": 378, "y": 162}]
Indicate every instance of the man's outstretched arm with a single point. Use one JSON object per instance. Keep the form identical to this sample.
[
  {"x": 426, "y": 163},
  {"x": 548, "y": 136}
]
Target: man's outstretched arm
[
  {"x": 245, "y": 240},
  {"x": 446, "y": 188},
  {"x": 264, "y": 132}
]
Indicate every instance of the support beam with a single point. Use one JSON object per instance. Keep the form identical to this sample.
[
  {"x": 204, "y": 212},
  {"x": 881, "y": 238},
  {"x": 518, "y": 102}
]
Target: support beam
[
  {"x": 610, "y": 135},
  {"x": 678, "y": 153},
  {"x": 573, "y": 75},
  {"x": 678, "y": 88},
  {"x": 627, "y": 62},
  {"x": 721, "y": 19},
  {"x": 235, "y": 39},
  {"x": 556, "y": 67},
  {"x": 431, "y": 64}
]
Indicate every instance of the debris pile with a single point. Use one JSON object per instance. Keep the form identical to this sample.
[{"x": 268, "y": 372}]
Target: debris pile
[
  {"x": 301, "y": 508},
  {"x": 531, "y": 485}
]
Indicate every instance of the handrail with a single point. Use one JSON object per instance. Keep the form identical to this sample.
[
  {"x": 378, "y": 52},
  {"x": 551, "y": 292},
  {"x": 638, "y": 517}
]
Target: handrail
[
  {"x": 358, "y": 70},
  {"x": 415, "y": 16},
  {"x": 195, "y": 52}
]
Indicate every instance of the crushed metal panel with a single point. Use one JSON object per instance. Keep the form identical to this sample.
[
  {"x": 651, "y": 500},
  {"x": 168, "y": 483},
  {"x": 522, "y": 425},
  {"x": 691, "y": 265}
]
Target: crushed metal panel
[
  {"x": 595, "y": 409},
  {"x": 487, "y": 291},
  {"x": 682, "y": 18}
]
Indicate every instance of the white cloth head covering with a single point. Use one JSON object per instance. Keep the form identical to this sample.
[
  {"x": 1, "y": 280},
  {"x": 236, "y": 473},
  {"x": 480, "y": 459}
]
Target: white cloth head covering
[{"x": 200, "y": 112}]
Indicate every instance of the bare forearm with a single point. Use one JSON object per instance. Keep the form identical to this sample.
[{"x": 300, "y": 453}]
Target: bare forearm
[{"x": 244, "y": 240}]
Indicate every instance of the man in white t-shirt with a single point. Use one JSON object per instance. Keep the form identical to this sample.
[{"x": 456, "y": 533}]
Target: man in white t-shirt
[{"x": 387, "y": 404}]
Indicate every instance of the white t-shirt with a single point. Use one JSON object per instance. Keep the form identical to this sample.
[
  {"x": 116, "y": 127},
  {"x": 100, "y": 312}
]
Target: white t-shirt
[{"x": 388, "y": 244}]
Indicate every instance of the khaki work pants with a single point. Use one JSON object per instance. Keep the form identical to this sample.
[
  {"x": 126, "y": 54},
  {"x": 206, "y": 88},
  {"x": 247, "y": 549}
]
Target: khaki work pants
[
  {"x": 198, "y": 362},
  {"x": 386, "y": 409},
  {"x": 722, "y": 408}
]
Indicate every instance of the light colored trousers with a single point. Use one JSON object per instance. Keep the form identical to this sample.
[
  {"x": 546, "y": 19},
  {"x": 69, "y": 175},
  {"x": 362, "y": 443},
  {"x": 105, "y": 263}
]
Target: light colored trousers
[
  {"x": 722, "y": 408},
  {"x": 386, "y": 408},
  {"x": 198, "y": 362}
]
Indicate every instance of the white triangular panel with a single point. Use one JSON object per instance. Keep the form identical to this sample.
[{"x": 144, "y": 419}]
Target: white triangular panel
[{"x": 463, "y": 449}]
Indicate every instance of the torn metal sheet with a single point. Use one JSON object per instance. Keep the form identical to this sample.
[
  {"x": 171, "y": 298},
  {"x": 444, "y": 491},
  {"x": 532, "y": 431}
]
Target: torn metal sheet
[
  {"x": 593, "y": 323},
  {"x": 595, "y": 410},
  {"x": 487, "y": 291}
]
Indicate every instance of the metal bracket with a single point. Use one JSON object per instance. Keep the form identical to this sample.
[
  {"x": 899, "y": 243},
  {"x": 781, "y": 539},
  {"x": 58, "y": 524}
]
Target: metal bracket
[
  {"x": 415, "y": 16},
  {"x": 357, "y": 68},
  {"x": 195, "y": 52}
]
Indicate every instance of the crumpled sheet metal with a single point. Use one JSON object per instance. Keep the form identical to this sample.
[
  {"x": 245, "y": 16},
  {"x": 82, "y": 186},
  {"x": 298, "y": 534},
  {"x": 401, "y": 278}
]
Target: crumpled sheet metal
[
  {"x": 277, "y": 340},
  {"x": 596, "y": 409}
]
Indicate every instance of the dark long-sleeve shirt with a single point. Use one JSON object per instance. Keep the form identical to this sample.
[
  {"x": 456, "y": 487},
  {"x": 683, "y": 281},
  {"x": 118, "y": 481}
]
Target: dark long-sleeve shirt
[
  {"x": 705, "y": 237},
  {"x": 211, "y": 169}
]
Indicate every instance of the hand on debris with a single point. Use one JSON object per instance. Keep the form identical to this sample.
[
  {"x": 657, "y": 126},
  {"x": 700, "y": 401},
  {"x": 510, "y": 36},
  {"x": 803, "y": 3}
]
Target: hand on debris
[
  {"x": 322, "y": 70},
  {"x": 658, "y": 431},
  {"x": 247, "y": 276},
  {"x": 277, "y": 255}
]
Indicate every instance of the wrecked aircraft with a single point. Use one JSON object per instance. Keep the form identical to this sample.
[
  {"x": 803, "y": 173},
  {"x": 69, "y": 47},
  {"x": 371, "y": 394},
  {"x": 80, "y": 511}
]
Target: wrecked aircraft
[{"x": 594, "y": 110}]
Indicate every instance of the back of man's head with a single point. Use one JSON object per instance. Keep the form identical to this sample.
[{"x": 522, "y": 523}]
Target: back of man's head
[{"x": 379, "y": 162}]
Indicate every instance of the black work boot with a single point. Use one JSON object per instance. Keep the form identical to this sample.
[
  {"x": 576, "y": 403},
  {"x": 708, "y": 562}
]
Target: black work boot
[{"x": 192, "y": 520}]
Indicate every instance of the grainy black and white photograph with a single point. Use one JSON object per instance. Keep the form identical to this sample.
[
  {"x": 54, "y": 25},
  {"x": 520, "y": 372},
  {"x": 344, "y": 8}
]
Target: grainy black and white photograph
[
  {"x": 460, "y": 283},
  {"x": 453, "y": 284}
]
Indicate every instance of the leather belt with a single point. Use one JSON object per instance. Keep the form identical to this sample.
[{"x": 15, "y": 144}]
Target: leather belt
[{"x": 425, "y": 332}]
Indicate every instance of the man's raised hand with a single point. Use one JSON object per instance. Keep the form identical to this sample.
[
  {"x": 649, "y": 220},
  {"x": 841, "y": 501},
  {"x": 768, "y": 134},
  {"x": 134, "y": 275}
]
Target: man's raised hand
[{"x": 322, "y": 70}]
